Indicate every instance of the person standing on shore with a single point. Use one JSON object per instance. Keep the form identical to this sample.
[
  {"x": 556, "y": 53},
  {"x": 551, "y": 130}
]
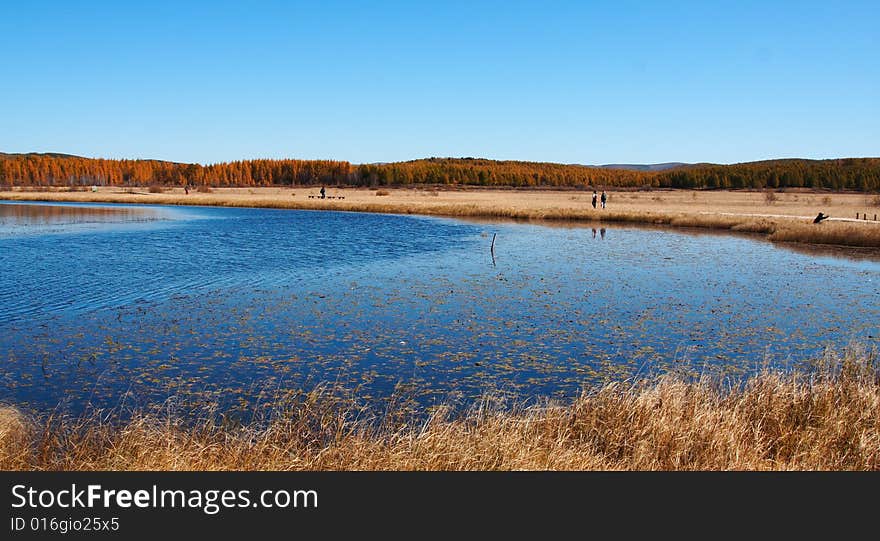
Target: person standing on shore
[
  {"x": 594, "y": 198},
  {"x": 322, "y": 192},
  {"x": 604, "y": 198}
]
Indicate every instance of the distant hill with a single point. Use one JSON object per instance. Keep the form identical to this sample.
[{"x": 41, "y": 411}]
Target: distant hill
[
  {"x": 646, "y": 167},
  {"x": 8, "y": 156}
]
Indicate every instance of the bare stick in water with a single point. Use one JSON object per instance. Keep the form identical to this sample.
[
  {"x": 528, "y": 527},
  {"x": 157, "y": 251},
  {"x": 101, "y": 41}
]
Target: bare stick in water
[{"x": 492, "y": 248}]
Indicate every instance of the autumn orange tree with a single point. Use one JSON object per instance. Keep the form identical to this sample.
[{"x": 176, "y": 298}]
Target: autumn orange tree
[{"x": 858, "y": 174}]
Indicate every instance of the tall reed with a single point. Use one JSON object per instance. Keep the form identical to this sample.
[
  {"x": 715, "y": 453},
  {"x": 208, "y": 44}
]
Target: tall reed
[{"x": 824, "y": 419}]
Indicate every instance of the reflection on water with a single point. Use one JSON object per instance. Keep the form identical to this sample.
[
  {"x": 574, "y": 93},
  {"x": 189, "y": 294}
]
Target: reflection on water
[
  {"x": 18, "y": 219},
  {"x": 32, "y": 214},
  {"x": 241, "y": 306},
  {"x": 845, "y": 252}
]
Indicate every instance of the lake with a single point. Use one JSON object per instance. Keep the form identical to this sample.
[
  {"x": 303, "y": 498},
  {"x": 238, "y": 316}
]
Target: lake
[{"x": 117, "y": 306}]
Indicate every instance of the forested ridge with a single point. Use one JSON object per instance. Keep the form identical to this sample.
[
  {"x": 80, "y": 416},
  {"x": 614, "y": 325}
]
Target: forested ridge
[{"x": 859, "y": 174}]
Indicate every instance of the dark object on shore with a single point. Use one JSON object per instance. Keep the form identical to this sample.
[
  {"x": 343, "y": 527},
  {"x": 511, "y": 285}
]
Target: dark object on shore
[{"x": 819, "y": 218}]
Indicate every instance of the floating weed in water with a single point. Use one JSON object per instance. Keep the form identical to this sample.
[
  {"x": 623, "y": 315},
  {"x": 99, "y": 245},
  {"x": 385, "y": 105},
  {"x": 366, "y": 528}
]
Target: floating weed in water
[{"x": 536, "y": 333}]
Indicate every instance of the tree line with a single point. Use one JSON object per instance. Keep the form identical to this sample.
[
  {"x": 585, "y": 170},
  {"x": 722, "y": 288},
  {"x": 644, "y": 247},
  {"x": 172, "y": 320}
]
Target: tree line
[{"x": 859, "y": 174}]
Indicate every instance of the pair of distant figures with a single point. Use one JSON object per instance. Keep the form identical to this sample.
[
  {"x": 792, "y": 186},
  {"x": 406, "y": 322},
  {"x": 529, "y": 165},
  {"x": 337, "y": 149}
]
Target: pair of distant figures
[{"x": 603, "y": 199}]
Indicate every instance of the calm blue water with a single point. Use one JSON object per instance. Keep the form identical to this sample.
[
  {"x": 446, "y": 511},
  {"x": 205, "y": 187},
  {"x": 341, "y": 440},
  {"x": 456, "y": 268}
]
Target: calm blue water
[{"x": 113, "y": 305}]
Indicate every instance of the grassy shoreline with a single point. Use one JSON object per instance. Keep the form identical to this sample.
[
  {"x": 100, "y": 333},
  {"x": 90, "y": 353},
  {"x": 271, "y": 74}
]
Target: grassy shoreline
[
  {"x": 788, "y": 224},
  {"x": 827, "y": 419}
]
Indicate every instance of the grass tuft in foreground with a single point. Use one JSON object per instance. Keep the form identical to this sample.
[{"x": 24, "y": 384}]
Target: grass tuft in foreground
[{"x": 827, "y": 419}]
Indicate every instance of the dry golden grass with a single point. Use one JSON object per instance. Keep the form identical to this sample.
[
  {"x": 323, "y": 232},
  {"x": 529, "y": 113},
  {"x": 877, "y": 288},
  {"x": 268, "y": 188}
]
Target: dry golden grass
[
  {"x": 841, "y": 233},
  {"x": 15, "y": 437},
  {"x": 828, "y": 419},
  {"x": 788, "y": 218}
]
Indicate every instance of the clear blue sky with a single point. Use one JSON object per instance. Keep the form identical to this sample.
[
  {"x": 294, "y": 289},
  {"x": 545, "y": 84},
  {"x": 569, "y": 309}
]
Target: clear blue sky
[{"x": 570, "y": 82}]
